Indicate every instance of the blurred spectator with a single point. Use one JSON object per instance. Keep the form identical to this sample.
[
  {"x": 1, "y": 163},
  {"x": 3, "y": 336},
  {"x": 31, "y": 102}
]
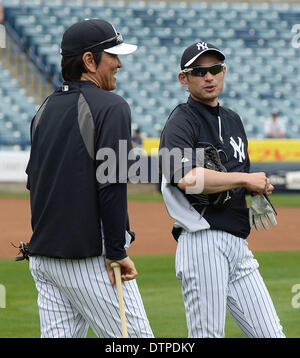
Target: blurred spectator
[
  {"x": 1, "y": 13},
  {"x": 137, "y": 139},
  {"x": 274, "y": 127}
]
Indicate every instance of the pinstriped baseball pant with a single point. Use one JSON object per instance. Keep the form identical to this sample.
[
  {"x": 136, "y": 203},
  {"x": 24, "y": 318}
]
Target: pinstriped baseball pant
[
  {"x": 216, "y": 270},
  {"x": 76, "y": 294}
]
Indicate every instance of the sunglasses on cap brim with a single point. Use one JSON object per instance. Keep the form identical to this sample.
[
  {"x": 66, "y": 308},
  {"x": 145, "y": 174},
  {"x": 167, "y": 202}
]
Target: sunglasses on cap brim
[
  {"x": 201, "y": 71},
  {"x": 113, "y": 41}
]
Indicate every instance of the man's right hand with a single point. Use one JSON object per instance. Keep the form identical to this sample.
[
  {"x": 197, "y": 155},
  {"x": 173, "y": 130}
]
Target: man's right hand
[
  {"x": 258, "y": 184},
  {"x": 128, "y": 270}
]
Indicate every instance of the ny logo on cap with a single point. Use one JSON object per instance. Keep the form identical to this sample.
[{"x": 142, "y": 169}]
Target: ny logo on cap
[{"x": 202, "y": 46}]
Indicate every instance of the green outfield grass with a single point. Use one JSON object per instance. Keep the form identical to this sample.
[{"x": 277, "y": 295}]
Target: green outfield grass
[
  {"x": 161, "y": 294},
  {"x": 23, "y": 195},
  {"x": 291, "y": 200},
  {"x": 288, "y": 200}
]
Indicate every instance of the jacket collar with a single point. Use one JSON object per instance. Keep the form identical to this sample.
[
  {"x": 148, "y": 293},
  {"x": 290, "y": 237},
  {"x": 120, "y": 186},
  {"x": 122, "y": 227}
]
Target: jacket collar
[{"x": 200, "y": 106}]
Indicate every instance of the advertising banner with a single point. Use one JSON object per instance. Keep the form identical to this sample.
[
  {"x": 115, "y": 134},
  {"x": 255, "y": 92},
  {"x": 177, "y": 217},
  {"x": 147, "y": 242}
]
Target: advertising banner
[{"x": 13, "y": 165}]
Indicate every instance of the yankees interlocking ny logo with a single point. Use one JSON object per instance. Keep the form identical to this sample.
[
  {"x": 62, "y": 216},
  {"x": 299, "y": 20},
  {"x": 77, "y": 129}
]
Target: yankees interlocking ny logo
[
  {"x": 202, "y": 46},
  {"x": 238, "y": 149}
]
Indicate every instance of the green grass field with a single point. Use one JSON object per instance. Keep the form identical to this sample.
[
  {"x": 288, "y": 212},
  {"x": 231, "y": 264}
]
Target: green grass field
[
  {"x": 291, "y": 200},
  {"x": 159, "y": 287},
  {"x": 161, "y": 294}
]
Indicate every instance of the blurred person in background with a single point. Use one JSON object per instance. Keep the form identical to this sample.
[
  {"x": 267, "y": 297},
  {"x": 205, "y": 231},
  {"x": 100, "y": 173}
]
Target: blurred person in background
[
  {"x": 274, "y": 127},
  {"x": 137, "y": 139},
  {"x": 1, "y": 13}
]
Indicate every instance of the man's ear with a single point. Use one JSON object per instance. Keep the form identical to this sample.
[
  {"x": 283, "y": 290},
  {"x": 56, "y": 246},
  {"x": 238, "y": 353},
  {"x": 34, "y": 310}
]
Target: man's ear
[
  {"x": 224, "y": 70},
  {"x": 89, "y": 62},
  {"x": 183, "y": 79}
]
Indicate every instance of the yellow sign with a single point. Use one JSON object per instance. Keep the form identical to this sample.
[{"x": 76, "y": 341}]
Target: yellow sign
[
  {"x": 274, "y": 150},
  {"x": 260, "y": 150},
  {"x": 151, "y": 145}
]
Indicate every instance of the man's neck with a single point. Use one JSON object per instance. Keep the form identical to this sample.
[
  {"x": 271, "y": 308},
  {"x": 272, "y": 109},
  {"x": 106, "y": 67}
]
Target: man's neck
[
  {"x": 88, "y": 77},
  {"x": 212, "y": 103}
]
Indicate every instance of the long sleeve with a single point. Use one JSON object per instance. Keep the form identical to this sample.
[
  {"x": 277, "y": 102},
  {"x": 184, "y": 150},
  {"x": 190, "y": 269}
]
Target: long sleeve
[{"x": 113, "y": 208}]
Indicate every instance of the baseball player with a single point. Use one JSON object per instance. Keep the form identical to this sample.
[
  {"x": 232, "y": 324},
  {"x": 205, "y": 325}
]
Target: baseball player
[
  {"x": 213, "y": 262},
  {"x": 79, "y": 216}
]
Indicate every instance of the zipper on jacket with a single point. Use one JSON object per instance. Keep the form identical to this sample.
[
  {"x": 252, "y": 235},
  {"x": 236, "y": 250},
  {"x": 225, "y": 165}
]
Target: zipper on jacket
[{"x": 220, "y": 130}]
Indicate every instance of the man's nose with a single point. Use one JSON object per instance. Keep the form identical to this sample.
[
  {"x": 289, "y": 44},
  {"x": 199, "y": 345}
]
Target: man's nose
[
  {"x": 120, "y": 64},
  {"x": 208, "y": 76}
]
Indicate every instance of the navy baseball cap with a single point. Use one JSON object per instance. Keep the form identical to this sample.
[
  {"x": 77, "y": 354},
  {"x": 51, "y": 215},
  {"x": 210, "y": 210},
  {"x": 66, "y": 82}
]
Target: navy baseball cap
[
  {"x": 93, "y": 35},
  {"x": 191, "y": 53}
]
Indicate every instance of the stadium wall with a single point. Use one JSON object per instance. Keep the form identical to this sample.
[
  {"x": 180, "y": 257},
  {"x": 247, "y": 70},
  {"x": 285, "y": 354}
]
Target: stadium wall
[{"x": 285, "y": 174}]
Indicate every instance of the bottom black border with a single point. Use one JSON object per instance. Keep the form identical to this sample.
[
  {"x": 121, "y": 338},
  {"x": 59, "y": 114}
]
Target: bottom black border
[{"x": 138, "y": 347}]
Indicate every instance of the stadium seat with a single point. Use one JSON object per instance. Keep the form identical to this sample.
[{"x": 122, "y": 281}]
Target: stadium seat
[
  {"x": 16, "y": 112},
  {"x": 256, "y": 37}
]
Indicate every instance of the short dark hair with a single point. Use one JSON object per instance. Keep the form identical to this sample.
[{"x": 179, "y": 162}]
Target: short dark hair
[{"x": 73, "y": 67}]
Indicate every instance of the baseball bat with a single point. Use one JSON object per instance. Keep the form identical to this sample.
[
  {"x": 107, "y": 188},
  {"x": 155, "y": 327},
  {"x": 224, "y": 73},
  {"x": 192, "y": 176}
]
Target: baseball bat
[{"x": 117, "y": 271}]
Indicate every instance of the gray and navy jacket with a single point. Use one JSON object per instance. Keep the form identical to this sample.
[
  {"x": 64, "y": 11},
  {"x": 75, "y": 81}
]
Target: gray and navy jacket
[
  {"x": 194, "y": 122},
  {"x": 72, "y": 212}
]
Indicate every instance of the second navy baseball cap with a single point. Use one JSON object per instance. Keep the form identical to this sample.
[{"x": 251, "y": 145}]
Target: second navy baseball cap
[
  {"x": 93, "y": 35},
  {"x": 191, "y": 53}
]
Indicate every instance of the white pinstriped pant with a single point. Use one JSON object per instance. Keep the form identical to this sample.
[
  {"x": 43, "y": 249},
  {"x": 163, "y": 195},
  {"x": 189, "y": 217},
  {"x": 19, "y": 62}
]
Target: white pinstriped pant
[
  {"x": 76, "y": 294},
  {"x": 216, "y": 270}
]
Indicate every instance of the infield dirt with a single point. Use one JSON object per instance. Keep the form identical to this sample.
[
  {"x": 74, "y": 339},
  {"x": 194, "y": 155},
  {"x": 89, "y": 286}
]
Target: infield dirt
[{"x": 152, "y": 226}]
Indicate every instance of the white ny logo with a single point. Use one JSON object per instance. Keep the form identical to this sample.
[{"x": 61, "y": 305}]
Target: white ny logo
[
  {"x": 238, "y": 149},
  {"x": 201, "y": 46}
]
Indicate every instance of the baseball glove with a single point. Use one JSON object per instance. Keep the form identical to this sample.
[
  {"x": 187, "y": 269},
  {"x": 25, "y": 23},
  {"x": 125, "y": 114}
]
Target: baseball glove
[
  {"x": 23, "y": 250},
  {"x": 261, "y": 209},
  {"x": 211, "y": 160}
]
